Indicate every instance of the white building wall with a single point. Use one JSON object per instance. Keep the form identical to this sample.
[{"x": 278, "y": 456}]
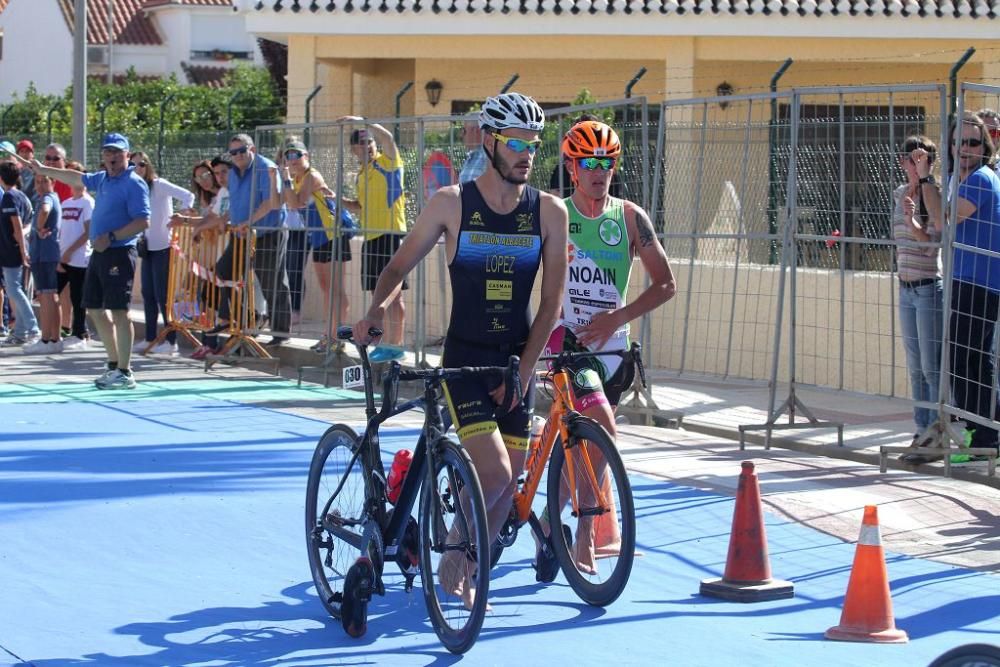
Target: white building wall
[
  {"x": 175, "y": 26},
  {"x": 26, "y": 23}
]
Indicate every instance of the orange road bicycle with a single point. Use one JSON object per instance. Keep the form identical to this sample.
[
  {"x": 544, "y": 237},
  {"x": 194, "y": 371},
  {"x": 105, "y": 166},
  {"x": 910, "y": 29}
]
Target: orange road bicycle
[{"x": 589, "y": 500}]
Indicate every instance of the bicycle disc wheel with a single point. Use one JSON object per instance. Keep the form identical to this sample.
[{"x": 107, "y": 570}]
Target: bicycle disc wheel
[
  {"x": 337, "y": 492},
  {"x": 454, "y": 547},
  {"x": 596, "y": 547}
]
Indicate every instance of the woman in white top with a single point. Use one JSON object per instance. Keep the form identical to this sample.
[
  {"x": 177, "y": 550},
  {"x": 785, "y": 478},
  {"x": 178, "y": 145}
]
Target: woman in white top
[{"x": 156, "y": 262}]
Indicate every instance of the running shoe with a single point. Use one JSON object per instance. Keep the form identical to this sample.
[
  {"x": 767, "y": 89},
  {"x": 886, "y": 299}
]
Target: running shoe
[
  {"x": 117, "y": 379},
  {"x": 167, "y": 348},
  {"x": 384, "y": 353}
]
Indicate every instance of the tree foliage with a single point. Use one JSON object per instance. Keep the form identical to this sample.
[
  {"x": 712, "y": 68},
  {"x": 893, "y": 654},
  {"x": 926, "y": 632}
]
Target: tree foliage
[{"x": 134, "y": 106}]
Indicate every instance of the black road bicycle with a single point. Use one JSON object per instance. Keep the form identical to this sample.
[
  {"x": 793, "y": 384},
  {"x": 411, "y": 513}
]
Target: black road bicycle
[{"x": 351, "y": 530}]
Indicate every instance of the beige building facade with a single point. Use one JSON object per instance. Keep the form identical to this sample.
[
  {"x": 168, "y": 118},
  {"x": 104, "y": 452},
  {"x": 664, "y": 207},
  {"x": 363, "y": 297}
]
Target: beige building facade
[{"x": 362, "y": 56}]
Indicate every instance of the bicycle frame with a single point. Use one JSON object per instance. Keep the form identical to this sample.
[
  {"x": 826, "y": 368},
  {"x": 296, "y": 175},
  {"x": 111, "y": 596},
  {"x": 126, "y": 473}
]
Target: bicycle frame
[
  {"x": 561, "y": 414},
  {"x": 392, "y": 530}
]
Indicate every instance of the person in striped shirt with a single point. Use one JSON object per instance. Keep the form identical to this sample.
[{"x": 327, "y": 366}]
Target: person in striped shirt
[{"x": 918, "y": 266}]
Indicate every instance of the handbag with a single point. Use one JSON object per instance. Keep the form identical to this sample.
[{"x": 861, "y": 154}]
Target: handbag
[
  {"x": 327, "y": 209},
  {"x": 142, "y": 247}
]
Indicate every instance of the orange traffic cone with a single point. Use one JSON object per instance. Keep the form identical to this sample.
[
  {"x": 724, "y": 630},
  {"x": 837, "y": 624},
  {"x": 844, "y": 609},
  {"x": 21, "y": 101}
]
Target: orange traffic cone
[
  {"x": 748, "y": 573},
  {"x": 867, "y": 614}
]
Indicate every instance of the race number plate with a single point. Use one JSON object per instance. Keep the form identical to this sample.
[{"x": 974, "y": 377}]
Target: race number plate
[{"x": 353, "y": 377}]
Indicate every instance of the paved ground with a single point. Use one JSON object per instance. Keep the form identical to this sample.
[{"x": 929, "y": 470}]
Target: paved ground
[{"x": 125, "y": 538}]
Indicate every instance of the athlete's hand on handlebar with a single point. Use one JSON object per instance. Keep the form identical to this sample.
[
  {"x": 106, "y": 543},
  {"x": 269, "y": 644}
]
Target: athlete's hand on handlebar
[
  {"x": 514, "y": 378},
  {"x": 362, "y": 332}
]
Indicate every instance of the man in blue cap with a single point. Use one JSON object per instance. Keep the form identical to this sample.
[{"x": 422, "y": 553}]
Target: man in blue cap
[{"x": 121, "y": 213}]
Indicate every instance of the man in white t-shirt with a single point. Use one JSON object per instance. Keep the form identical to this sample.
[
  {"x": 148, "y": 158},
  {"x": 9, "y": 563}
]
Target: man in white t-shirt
[{"x": 75, "y": 249}]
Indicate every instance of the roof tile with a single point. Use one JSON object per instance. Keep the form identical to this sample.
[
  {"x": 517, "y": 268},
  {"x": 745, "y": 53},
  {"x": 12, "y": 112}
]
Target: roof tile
[
  {"x": 906, "y": 8},
  {"x": 132, "y": 26}
]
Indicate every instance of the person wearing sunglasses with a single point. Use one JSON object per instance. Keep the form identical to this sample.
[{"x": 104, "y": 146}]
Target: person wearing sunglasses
[
  {"x": 121, "y": 214},
  {"x": 920, "y": 307},
  {"x": 561, "y": 180},
  {"x": 498, "y": 231},
  {"x": 255, "y": 202},
  {"x": 605, "y": 234},
  {"x": 55, "y": 156},
  {"x": 975, "y": 287},
  {"x": 155, "y": 251},
  {"x": 305, "y": 192},
  {"x": 380, "y": 209}
]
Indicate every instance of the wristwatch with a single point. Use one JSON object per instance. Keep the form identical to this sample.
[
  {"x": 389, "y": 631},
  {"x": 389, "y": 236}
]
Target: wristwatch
[
  {"x": 112, "y": 237},
  {"x": 929, "y": 179}
]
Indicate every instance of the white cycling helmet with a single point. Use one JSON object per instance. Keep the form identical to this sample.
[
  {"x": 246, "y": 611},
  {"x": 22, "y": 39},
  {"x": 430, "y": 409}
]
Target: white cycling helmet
[{"x": 512, "y": 110}]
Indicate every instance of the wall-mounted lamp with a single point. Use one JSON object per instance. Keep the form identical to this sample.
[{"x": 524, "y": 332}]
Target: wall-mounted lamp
[
  {"x": 434, "y": 88},
  {"x": 724, "y": 90}
]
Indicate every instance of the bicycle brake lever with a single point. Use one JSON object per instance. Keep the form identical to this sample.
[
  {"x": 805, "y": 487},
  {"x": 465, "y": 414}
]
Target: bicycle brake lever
[{"x": 513, "y": 383}]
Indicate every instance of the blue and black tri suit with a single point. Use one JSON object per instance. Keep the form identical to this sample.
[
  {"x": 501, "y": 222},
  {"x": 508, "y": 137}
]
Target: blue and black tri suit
[{"x": 492, "y": 276}]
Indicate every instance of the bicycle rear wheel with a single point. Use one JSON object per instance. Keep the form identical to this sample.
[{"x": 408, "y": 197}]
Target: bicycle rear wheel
[
  {"x": 336, "y": 498},
  {"x": 596, "y": 547},
  {"x": 454, "y": 547}
]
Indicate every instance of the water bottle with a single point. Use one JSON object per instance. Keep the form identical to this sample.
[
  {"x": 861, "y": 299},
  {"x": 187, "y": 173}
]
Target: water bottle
[
  {"x": 400, "y": 465},
  {"x": 537, "y": 428}
]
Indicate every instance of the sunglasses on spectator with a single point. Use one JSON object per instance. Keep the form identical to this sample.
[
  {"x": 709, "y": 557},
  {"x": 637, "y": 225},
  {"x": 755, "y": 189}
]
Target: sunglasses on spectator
[
  {"x": 592, "y": 163},
  {"x": 238, "y": 151},
  {"x": 293, "y": 155},
  {"x": 204, "y": 176},
  {"x": 52, "y": 158},
  {"x": 971, "y": 143},
  {"x": 518, "y": 145},
  {"x": 142, "y": 163}
]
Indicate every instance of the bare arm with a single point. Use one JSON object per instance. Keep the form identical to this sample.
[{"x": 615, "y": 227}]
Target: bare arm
[
  {"x": 78, "y": 243},
  {"x": 430, "y": 224},
  {"x": 662, "y": 286},
  {"x": 310, "y": 184},
  {"x": 67, "y": 176},
  {"x": 555, "y": 234},
  {"x": 41, "y": 219},
  {"x": 383, "y": 137},
  {"x": 15, "y": 220}
]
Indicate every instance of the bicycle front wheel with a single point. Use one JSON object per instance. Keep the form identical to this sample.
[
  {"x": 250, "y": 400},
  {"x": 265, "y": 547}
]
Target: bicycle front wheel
[
  {"x": 591, "y": 513},
  {"x": 336, "y": 498},
  {"x": 454, "y": 547}
]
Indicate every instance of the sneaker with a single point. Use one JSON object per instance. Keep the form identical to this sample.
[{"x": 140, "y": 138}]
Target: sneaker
[
  {"x": 13, "y": 340},
  {"x": 167, "y": 348},
  {"x": 321, "y": 346},
  {"x": 65, "y": 332},
  {"x": 38, "y": 347},
  {"x": 103, "y": 376},
  {"x": 117, "y": 379},
  {"x": 74, "y": 343},
  {"x": 962, "y": 457},
  {"x": 140, "y": 346},
  {"x": 384, "y": 353},
  {"x": 277, "y": 341}
]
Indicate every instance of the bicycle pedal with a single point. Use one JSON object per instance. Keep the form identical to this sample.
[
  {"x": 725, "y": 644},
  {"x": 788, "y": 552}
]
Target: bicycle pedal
[{"x": 357, "y": 593}]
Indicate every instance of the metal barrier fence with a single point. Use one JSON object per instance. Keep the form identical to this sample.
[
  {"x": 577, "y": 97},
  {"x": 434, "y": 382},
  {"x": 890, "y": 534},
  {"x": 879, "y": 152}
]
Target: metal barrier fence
[{"x": 775, "y": 209}]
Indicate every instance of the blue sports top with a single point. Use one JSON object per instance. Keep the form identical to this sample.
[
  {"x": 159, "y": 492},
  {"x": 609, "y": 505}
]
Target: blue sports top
[
  {"x": 118, "y": 201},
  {"x": 493, "y": 271},
  {"x": 981, "y": 229}
]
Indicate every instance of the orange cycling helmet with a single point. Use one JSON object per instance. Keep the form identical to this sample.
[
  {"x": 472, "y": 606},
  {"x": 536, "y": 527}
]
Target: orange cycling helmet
[{"x": 591, "y": 138}]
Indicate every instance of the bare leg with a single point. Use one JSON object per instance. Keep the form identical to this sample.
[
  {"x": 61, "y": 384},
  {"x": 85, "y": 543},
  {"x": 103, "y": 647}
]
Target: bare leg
[
  {"x": 123, "y": 337},
  {"x": 106, "y": 330},
  {"x": 65, "y": 308},
  {"x": 322, "y": 270},
  {"x": 396, "y": 320},
  {"x": 343, "y": 301}
]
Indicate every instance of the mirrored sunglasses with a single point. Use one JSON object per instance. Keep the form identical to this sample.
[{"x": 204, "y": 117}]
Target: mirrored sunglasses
[
  {"x": 293, "y": 155},
  {"x": 591, "y": 163},
  {"x": 518, "y": 145}
]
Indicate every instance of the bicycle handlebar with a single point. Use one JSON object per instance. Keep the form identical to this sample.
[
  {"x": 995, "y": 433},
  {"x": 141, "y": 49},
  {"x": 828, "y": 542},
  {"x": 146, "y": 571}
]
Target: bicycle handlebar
[
  {"x": 509, "y": 374},
  {"x": 633, "y": 353}
]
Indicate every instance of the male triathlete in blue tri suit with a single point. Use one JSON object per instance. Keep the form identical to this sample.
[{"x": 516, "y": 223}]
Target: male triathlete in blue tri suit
[
  {"x": 605, "y": 235},
  {"x": 497, "y": 230}
]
